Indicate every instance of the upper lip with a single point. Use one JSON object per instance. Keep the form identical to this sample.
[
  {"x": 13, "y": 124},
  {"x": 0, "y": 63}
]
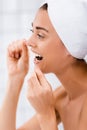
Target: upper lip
[{"x": 35, "y": 52}]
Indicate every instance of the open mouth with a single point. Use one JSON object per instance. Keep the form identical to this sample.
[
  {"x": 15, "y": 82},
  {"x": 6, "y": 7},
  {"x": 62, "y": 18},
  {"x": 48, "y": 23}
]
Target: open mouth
[{"x": 38, "y": 57}]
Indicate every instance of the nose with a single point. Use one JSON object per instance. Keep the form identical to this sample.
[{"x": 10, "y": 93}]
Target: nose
[{"x": 31, "y": 42}]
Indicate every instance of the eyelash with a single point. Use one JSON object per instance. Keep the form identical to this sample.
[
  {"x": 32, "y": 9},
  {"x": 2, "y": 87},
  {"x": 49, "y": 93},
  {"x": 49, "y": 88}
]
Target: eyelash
[
  {"x": 39, "y": 35},
  {"x": 31, "y": 30}
]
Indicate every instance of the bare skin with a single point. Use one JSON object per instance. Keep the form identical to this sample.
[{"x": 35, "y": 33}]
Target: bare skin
[{"x": 67, "y": 104}]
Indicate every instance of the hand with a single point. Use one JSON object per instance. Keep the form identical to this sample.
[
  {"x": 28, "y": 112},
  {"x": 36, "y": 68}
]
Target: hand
[
  {"x": 40, "y": 93},
  {"x": 17, "y": 59}
]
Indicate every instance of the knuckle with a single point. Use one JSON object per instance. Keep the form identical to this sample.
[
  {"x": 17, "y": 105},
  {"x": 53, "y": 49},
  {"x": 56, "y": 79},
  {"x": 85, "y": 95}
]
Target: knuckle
[{"x": 46, "y": 91}]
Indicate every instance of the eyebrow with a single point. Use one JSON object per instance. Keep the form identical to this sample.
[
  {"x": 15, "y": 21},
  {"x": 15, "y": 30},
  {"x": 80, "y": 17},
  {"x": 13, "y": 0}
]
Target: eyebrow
[{"x": 40, "y": 28}]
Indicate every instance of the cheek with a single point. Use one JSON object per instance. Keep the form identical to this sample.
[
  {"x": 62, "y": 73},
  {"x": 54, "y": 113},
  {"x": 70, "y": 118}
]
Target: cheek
[
  {"x": 48, "y": 64},
  {"x": 51, "y": 57},
  {"x": 52, "y": 52}
]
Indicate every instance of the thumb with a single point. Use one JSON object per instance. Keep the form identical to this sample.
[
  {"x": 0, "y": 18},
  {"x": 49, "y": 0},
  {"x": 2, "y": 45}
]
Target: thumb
[{"x": 25, "y": 52}]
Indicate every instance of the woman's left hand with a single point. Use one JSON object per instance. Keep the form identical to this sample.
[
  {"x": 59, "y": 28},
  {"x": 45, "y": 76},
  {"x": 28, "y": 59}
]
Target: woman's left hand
[{"x": 40, "y": 93}]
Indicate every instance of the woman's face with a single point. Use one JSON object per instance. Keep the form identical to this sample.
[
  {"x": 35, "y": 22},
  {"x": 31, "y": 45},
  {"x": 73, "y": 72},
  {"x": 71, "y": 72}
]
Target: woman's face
[{"x": 45, "y": 43}]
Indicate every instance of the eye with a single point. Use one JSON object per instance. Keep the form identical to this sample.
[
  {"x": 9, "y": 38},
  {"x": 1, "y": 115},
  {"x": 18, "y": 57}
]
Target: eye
[{"x": 40, "y": 36}]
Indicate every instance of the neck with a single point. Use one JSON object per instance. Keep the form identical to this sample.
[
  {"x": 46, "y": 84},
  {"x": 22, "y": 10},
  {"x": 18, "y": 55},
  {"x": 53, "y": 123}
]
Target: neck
[{"x": 74, "y": 78}]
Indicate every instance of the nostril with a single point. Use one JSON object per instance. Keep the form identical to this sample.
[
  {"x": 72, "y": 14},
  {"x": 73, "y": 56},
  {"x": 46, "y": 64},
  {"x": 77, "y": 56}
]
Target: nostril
[
  {"x": 28, "y": 43},
  {"x": 32, "y": 44}
]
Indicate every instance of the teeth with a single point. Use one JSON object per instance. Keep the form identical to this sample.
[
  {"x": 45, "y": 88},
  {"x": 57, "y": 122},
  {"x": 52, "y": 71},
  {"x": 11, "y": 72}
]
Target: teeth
[{"x": 38, "y": 57}]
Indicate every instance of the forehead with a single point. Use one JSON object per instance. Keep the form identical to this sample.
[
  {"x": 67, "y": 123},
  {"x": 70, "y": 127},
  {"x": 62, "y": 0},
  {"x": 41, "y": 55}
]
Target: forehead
[{"x": 42, "y": 19}]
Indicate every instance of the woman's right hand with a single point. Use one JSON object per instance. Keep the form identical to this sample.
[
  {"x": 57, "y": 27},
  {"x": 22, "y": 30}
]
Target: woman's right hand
[{"x": 18, "y": 59}]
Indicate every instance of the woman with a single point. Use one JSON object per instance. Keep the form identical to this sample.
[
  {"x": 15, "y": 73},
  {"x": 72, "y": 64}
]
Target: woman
[{"x": 68, "y": 103}]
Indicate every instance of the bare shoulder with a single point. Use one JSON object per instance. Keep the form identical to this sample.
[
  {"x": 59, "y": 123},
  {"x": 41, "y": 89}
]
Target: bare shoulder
[{"x": 83, "y": 115}]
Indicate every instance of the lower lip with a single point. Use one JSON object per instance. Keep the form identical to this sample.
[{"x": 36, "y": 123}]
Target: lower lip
[{"x": 36, "y": 61}]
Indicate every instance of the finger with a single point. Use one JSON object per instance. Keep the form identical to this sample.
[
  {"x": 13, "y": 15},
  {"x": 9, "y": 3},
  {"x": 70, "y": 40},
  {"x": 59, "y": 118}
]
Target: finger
[
  {"x": 41, "y": 77},
  {"x": 33, "y": 86},
  {"x": 14, "y": 51},
  {"x": 8, "y": 51},
  {"x": 25, "y": 53},
  {"x": 35, "y": 81},
  {"x": 17, "y": 55},
  {"x": 11, "y": 51}
]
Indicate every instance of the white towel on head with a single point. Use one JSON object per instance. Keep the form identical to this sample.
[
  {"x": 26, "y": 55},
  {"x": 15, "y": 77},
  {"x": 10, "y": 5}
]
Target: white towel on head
[{"x": 69, "y": 18}]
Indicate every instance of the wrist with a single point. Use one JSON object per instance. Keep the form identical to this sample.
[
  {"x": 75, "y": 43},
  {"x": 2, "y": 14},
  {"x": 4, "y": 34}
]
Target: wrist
[
  {"x": 16, "y": 77},
  {"x": 48, "y": 116},
  {"x": 14, "y": 85},
  {"x": 48, "y": 121}
]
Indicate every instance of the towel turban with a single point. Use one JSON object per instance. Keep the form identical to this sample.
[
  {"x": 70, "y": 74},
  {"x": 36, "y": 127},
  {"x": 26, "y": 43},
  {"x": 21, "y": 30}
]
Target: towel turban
[{"x": 69, "y": 18}]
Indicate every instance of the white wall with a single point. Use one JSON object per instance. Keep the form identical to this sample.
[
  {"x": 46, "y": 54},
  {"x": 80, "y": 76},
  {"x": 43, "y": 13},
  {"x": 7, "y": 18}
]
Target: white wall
[{"x": 15, "y": 20}]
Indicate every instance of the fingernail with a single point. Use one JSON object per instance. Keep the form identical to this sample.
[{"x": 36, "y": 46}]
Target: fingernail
[{"x": 17, "y": 56}]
